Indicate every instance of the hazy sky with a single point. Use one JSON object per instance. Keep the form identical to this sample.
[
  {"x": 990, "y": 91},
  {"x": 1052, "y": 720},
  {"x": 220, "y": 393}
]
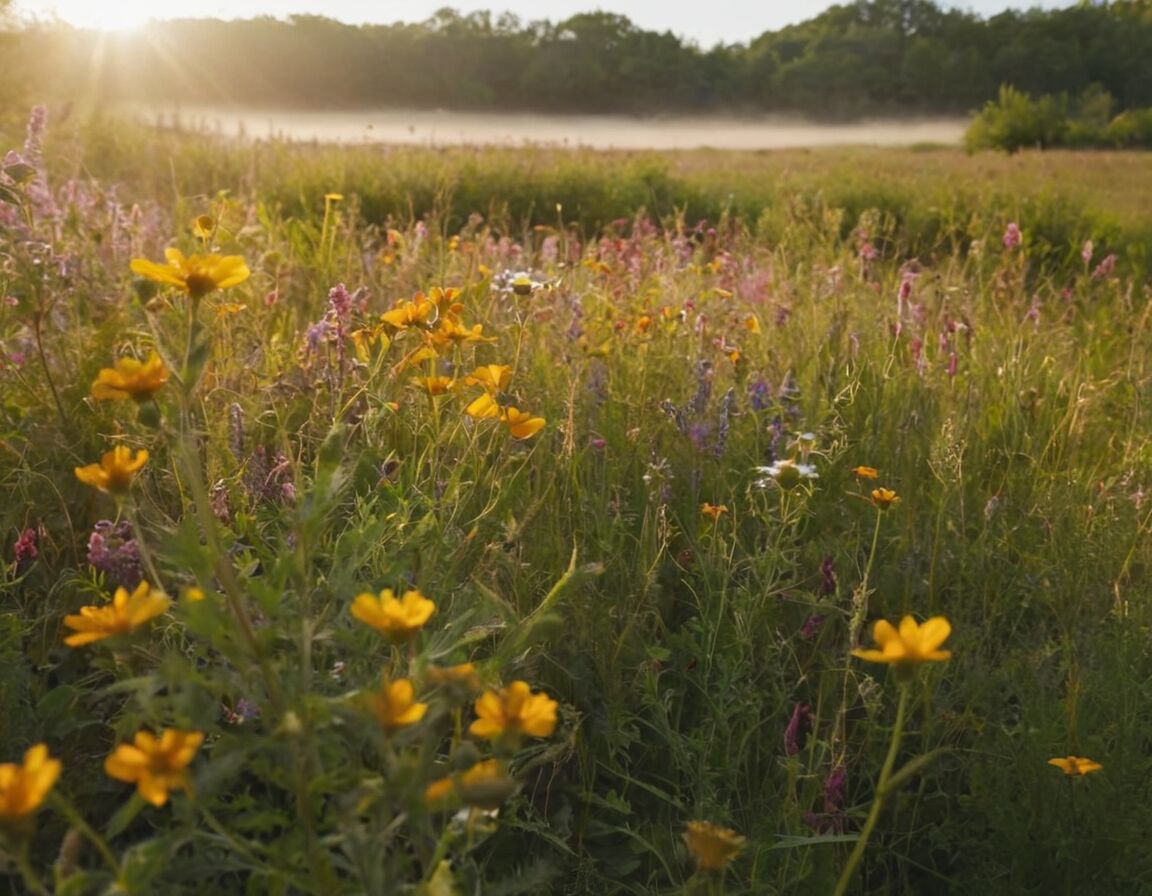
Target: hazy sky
[{"x": 705, "y": 21}]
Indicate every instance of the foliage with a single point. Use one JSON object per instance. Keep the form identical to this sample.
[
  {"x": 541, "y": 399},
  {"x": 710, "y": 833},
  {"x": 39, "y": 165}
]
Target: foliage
[
  {"x": 860, "y": 58},
  {"x": 1017, "y": 121},
  {"x": 683, "y": 556}
]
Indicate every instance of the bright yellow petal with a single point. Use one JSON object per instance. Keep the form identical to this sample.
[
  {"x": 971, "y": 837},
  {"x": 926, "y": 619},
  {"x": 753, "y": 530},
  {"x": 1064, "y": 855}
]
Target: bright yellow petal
[
  {"x": 933, "y": 633},
  {"x": 883, "y": 632}
]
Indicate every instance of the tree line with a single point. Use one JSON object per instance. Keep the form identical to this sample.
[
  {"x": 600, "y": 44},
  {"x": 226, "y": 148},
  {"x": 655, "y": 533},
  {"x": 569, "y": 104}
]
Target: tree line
[{"x": 869, "y": 57}]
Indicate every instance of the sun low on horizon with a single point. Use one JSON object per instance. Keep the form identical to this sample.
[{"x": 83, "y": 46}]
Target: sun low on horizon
[{"x": 121, "y": 16}]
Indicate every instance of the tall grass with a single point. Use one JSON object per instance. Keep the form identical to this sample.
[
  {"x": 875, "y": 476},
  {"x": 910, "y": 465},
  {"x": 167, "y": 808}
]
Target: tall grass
[{"x": 682, "y": 322}]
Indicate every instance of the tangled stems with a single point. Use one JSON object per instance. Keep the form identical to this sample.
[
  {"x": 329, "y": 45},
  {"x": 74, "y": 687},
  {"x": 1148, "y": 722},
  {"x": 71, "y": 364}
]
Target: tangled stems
[{"x": 880, "y": 797}]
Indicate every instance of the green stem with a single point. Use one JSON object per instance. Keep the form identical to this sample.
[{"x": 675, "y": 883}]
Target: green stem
[
  {"x": 37, "y": 331},
  {"x": 70, "y": 812},
  {"x": 224, "y": 569},
  {"x": 27, "y": 872},
  {"x": 879, "y": 799},
  {"x": 129, "y": 510}
]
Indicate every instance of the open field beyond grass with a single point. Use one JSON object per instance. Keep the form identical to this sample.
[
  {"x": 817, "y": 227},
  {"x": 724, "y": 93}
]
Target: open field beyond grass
[{"x": 528, "y": 521}]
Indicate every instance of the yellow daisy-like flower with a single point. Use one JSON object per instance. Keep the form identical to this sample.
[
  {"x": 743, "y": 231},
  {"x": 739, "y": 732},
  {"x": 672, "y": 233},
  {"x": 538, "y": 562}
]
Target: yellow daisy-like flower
[
  {"x": 451, "y": 332},
  {"x": 863, "y": 472},
  {"x": 514, "y": 710},
  {"x": 1075, "y": 766},
  {"x": 196, "y": 275},
  {"x": 434, "y": 385},
  {"x": 461, "y": 674},
  {"x": 493, "y": 377},
  {"x": 396, "y": 618},
  {"x": 911, "y": 644},
  {"x": 116, "y": 470},
  {"x": 483, "y": 408},
  {"x": 204, "y": 226},
  {"x": 712, "y": 846},
  {"x": 125, "y": 613},
  {"x": 885, "y": 498},
  {"x": 521, "y": 424},
  {"x": 23, "y": 787},
  {"x": 713, "y": 511},
  {"x": 394, "y": 706},
  {"x": 485, "y": 785},
  {"x": 415, "y": 313},
  {"x": 129, "y": 378},
  {"x": 155, "y": 766}
]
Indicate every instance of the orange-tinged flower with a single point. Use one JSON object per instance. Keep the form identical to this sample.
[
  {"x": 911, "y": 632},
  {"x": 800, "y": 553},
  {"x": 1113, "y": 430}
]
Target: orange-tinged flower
[
  {"x": 486, "y": 785},
  {"x": 521, "y": 424},
  {"x": 125, "y": 613},
  {"x": 445, "y": 299},
  {"x": 129, "y": 378},
  {"x": 23, "y": 787},
  {"x": 493, "y": 377},
  {"x": 116, "y": 470},
  {"x": 483, "y": 408},
  {"x": 885, "y": 498},
  {"x": 204, "y": 226},
  {"x": 434, "y": 385},
  {"x": 713, "y": 511},
  {"x": 863, "y": 472},
  {"x": 712, "y": 846},
  {"x": 415, "y": 313},
  {"x": 462, "y": 675},
  {"x": 1075, "y": 766},
  {"x": 155, "y": 766},
  {"x": 394, "y": 705},
  {"x": 396, "y": 618},
  {"x": 514, "y": 710},
  {"x": 196, "y": 275},
  {"x": 909, "y": 645},
  {"x": 451, "y": 331}
]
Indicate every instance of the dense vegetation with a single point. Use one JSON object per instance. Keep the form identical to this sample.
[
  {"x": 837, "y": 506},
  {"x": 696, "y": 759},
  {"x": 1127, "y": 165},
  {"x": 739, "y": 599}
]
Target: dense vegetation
[
  {"x": 1016, "y": 120},
  {"x": 862, "y": 58},
  {"x": 662, "y": 438}
]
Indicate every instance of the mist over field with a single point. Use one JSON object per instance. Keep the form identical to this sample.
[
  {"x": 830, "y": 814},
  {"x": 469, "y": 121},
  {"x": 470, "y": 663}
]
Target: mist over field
[{"x": 444, "y": 128}]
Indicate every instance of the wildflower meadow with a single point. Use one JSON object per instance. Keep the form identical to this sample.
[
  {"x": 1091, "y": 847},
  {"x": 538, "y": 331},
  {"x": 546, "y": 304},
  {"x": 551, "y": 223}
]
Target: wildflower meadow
[{"x": 439, "y": 522}]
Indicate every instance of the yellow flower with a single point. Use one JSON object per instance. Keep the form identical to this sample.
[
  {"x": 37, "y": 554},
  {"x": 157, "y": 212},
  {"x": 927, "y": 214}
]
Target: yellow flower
[
  {"x": 129, "y": 378},
  {"x": 125, "y": 613},
  {"x": 514, "y": 710},
  {"x": 521, "y": 424},
  {"x": 493, "y": 377},
  {"x": 865, "y": 472},
  {"x": 196, "y": 275},
  {"x": 23, "y": 787},
  {"x": 463, "y": 674},
  {"x": 714, "y": 511},
  {"x": 452, "y": 332},
  {"x": 712, "y": 847},
  {"x": 885, "y": 498},
  {"x": 393, "y": 705},
  {"x": 434, "y": 385},
  {"x": 155, "y": 766},
  {"x": 486, "y": 785},
  {"x": 410, "y": 314},
  {"x": 397, "y": 618},
  {"x": 1075, "y": 766},
  {"x": 204, "y": 226},
  {"x": 909, "y": 646},
  {"x": 483, "y": 408},
  {"x": 115, "y": 471}
]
